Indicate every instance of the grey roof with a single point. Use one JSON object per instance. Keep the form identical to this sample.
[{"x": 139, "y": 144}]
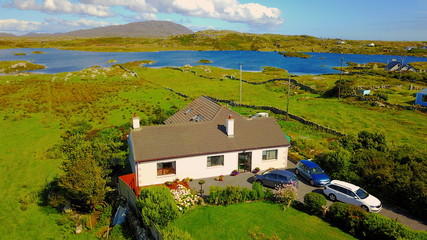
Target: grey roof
[
  {"x": 206, "y": 137},
  {"x": 424, "y": 91},
  {"x": 200, "y": 110}
]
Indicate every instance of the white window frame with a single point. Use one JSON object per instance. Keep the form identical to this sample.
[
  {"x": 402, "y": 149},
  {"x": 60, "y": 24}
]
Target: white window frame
[
  {"x": 209, "y": 161},
  {"x": 266, "y": 154}
]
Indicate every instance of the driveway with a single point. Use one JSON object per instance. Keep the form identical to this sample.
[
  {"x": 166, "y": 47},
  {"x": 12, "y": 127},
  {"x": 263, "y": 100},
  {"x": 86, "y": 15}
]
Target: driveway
[{"x": 246, "y": 179}]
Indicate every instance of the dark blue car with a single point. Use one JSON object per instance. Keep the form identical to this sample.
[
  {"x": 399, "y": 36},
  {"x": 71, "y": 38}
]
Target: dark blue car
[
  {"x": 312, "y": 172},
  {"x": 272, "y": 178}
]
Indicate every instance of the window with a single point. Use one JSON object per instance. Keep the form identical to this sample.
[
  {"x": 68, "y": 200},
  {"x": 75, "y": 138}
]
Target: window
[
  {"x": 424, "y": 98},
  {"x": 216, "y": 161},
  {"x": 166, "y": 168},
  {"x": 269, "y": 154}
]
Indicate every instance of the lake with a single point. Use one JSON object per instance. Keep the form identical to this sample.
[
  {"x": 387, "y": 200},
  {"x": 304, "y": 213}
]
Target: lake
[{"x": 57, "y": 60}]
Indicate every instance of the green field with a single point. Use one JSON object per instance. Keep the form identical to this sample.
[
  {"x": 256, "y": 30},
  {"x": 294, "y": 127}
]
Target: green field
[
  {"x": 36, "y": 109},
  {"x": 237, "y": 221}
]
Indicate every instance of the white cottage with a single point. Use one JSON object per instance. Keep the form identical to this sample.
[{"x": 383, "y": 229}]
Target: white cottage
[{"x": 205, "y": 139}]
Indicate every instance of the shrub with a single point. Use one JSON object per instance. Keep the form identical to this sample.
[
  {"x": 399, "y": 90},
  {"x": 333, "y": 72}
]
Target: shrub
[
  {"x": 172, "y": 232},
  {"x": 348, "y": 217},
  {"x": 314, "y": 202},
  {"x": 157, "y": 205},
  {"x": 232, "y": 195},
  {"x": 246, "y": 194},
  {"x": 185, "y": 199},
  {"x": 379, "y": 227},
  {"x": 285, "y": 194},
  {"x": 215, "y": 195},
  {"x": 257, "y": 192}
]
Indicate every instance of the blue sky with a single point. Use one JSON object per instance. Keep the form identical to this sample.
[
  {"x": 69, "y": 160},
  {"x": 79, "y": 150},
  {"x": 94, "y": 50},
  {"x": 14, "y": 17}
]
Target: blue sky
[{"x": 359, "y": 20}]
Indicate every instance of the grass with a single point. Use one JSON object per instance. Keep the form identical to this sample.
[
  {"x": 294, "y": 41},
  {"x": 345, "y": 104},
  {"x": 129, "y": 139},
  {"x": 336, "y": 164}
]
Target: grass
[
  {"x": 236, "y": 222},
  {"x": 216, "y": 40},
  {"x": 346, "y": 115},
  {"x": 36, "y": 109}
]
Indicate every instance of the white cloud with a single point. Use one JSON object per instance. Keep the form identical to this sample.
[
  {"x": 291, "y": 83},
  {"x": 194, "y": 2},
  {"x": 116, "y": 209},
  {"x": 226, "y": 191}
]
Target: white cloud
[
  {"x": 62, "y": 6},
  {"x": 50, "y": 25},
  {"x": 229, "y": 10},
  {"x": 77, "y": 24},
  {"x": 16, "y": 26}
]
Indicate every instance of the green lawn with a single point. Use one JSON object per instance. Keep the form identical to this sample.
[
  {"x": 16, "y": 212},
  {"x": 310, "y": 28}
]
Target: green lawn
[{"x": 236, "y": 222}]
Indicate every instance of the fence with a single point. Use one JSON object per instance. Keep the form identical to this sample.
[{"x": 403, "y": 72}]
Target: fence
[{"x": 126, "y": 191}]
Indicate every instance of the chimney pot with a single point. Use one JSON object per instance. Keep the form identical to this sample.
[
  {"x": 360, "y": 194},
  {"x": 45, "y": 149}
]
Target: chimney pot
[
  {"x": 135, "y": 121},
  {"x": 229, "y": 126}
]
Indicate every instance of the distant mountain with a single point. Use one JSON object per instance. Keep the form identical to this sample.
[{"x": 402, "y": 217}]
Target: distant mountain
[
  {"x": 6, "y": 35},
  {"x": 136, "y": 29}
]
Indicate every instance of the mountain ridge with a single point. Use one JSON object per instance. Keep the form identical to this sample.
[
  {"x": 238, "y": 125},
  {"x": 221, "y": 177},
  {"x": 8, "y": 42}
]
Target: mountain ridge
[{"x": 151, "y": 28}]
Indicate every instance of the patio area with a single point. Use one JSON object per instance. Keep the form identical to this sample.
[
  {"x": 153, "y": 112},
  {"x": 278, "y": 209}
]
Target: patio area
[{"x": 243, "y": 179}]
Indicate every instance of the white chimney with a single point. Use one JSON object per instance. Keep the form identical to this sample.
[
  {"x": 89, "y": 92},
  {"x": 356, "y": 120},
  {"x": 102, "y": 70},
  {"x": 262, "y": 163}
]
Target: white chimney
[
  {"x": 229, "y": 126},
  {"x": 135, "y": 121}
]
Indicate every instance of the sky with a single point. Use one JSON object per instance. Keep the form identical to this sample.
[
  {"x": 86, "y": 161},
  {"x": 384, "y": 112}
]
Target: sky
[{"x": 393, "y": 20}]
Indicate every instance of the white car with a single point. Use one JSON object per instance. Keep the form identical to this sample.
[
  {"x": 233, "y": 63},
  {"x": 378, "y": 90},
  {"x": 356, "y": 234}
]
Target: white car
[{"x": 352, "y": 194}]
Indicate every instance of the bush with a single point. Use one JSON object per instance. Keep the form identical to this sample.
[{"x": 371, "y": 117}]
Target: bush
[
  {"x": 157, "y": 205},
  {"x": 174, "y": 233},
  {"x": 314, "y": 202},
  {"x": 235, "y": 194},
  {"x": 379, "y": 227},
  {"x": 215, "y": 195},
  {"x": 185, "y": 199},
  {"x": 257, "y": 192},
  {"x": 348, "y": 217},
  {"x": 285, "y": 194}
]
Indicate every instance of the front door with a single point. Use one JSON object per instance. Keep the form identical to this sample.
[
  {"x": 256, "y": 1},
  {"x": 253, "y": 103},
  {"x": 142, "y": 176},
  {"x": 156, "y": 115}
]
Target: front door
[{"x": 245, "y": 159}]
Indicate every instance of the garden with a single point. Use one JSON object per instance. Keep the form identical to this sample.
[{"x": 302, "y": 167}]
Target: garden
[{"x": 258, "y": 213}]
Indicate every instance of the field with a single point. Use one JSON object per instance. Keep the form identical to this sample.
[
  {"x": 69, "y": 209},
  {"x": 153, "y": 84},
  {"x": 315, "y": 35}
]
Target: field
[
  {"x": 217, "y": 40},
  {"x": 36, "y": 109},
  {"x": 219, "y": 222}
]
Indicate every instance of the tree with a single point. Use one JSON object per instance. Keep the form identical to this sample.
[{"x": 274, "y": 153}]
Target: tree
[
  {"x": 372, "y": 141},
  {"x": 336, "y": 163},
  {"x": 89, "y": 156},
  {"x": 157, "y": 205},
  {"x": 84, "y": 182}
]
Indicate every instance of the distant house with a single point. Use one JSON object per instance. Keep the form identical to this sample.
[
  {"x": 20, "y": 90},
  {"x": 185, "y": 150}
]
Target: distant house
[
  {"x": 421, "y": 97},
  {"x": 340, "y": 42},
  {"x": 202, "y": 140},
  {"x": 395, "y": 65},
  {"x": 363, "y": 92},
  {"x": 370, "y": 44},
  {"x": 410, "y": 48}
]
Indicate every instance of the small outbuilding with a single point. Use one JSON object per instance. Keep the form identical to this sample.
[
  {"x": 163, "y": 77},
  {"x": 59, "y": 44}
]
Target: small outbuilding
[
  {"x": 421, "y": 97},
  {"x": 363, "y": 92}
]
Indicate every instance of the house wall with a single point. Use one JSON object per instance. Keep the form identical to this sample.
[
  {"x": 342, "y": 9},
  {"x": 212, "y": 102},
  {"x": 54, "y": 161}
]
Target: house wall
[
  {"x": 196, "y": 167},
  {"x": 131, "y": 157},
  {"x": 419, "y": 99}
]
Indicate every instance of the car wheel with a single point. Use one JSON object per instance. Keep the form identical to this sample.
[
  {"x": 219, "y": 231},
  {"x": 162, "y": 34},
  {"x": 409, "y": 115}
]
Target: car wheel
[
  {"x": 296, "y": 172},
  {"x": 259, "y": 181},
  {"x": 365, "y": 208},
  {"x": 332, "y": 197},
  {"x": 312, "y": 182}
]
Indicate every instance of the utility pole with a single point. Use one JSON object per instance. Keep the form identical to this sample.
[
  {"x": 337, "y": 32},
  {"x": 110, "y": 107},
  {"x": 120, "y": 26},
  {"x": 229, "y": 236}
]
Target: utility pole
[
  {"x": 340, "y": 82},
  {"x": 289, "y": 92},
  {"x": 241, "y": 64}
]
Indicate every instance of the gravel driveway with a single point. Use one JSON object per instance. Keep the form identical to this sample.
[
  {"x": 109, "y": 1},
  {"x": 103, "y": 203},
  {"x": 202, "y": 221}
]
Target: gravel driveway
[{"x": 246, "y": 179}]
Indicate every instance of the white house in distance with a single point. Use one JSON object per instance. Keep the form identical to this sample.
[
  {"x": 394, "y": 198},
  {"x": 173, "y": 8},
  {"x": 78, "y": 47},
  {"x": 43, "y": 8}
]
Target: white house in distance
[
  {"x": 421, "y": 97},
  {"x": 202, "y": 140}
]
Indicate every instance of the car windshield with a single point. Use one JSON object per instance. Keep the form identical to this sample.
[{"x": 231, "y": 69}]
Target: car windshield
[
  {"x": 294, "y": 178},
  {"x": 316, "y": 170},
  {"x": 362, "y": 193}
]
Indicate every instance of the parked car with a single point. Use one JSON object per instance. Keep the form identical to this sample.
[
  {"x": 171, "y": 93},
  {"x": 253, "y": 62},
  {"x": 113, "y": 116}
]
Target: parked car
[
  {"x": 312, "y": 172},
  {"x": 272, "y": 178},
  {"x": 352, "y": 194}
]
